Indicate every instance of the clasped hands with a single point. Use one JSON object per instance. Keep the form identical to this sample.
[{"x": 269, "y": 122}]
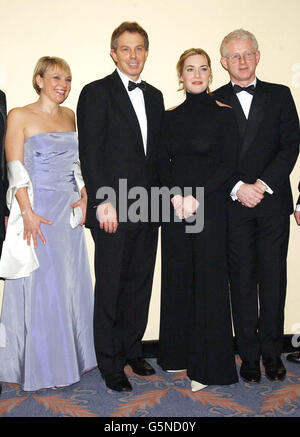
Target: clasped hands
[
  {"x": 251, "y": 195},
  {"x": 185, "y": 207}
]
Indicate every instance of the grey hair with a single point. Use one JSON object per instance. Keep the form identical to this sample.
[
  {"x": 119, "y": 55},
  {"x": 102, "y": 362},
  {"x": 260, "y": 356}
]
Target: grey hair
[{"x": 238, "y": 34}]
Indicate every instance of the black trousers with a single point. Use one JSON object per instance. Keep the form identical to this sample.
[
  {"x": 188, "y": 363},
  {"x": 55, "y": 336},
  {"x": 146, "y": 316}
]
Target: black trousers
[
  {"x": 124, "y": 267},
  {"x": 257, "y": 260}
]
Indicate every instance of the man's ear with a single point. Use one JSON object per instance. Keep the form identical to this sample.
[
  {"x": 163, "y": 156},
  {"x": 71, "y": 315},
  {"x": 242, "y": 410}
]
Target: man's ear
[
  {"x": 146, "y": 55},
  {"x": 257, "y": 56},
  {"x": 224, "y": 63},
  {"x": 113, "y": 55}
]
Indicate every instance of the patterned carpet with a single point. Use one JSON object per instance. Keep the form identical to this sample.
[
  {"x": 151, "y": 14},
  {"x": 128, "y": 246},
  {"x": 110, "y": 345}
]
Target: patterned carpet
[{"x": 161, "y": 395}]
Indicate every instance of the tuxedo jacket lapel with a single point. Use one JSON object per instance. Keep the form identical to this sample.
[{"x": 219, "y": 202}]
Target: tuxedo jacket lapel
[
  {"x": 248, "y": 128},
  {"x": 256, "y": 115},
  {"x": 234, "y": 102},
  {"x": 150, "y": 113},
  {"x": 121, "y": 99}
]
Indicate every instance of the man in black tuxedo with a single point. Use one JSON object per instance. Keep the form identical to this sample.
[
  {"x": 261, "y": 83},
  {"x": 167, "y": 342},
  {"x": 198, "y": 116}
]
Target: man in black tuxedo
[
  {"x": 260, "y": 206},
  {"x": 3, "y": 180},
  {"x": 119, "y": 120},
  {"x": 294, "y": 357}
]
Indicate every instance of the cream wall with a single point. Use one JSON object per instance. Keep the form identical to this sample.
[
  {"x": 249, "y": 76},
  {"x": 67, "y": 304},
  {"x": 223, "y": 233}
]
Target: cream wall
[{"x": 80, "y": 31}]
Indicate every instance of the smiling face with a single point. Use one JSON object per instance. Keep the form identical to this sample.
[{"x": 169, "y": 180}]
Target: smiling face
[
  {"x": 130, "y": 55},
  {"x": 55, "y": 84},
  {"x": 195, "y": 74},
  {"x": 240, "y": 61}
]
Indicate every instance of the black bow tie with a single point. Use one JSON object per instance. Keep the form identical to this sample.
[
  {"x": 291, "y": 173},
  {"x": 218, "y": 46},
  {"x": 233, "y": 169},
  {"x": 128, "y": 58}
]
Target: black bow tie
[
  {"x": 250, "y": 89},
  {"x": 132, "y": 85}
]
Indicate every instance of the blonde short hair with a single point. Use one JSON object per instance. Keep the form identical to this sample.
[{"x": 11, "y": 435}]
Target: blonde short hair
[
  {"x": 186, "y": 54},
  {"x": 238, "y": 34},
  {"x": 48, "y": 62}
]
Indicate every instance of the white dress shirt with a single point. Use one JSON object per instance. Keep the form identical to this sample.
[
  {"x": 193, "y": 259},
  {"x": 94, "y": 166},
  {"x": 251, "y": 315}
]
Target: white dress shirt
[
  {"x": 137, "y": 99},
  {"x": 245, "y": 100}
]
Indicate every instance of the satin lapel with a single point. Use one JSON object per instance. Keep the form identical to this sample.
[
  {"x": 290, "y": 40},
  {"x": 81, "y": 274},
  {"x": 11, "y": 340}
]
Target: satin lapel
[
  {"x": 234, "y": 102},
  {"x": 122, "y": 100},
  {"x": 256, "y": 115},
  {"x": 150, "y": 113}
]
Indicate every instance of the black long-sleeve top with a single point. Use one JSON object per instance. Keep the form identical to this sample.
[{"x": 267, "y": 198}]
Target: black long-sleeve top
[{"x": 199, "y": 145}]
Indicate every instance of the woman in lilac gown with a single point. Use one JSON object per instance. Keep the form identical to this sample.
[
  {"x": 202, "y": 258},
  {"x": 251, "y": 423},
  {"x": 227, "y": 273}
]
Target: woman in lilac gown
[{"x": 48, "y": 315}]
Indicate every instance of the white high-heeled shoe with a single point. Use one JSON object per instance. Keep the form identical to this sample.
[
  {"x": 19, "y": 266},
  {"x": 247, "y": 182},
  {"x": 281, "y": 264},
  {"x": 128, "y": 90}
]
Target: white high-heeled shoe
[{"x": 196, "y": 386}]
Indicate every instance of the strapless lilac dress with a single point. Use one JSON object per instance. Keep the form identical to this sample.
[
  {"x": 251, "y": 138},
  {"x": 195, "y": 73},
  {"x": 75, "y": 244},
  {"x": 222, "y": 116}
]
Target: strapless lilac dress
[{"x": 48, "y": 316}]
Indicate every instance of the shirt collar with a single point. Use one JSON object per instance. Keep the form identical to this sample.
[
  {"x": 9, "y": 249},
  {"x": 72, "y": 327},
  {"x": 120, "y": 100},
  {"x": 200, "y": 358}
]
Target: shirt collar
[
  {"x": 125, "y": 79},
  {"x": 252, "y": 83}
]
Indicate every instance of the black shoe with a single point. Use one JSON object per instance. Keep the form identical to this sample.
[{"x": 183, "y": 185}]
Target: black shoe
[
  {"x": 141, "y": 367},
  {"x": 117, "y": 381},
  {"x": 250, "y": 371},
  {"x": 274, "y": 369},
  {"x": 294, "y": 357}
]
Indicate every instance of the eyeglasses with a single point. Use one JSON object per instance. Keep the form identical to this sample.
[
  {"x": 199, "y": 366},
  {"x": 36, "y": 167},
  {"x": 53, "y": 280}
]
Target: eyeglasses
[{"x": 236, "y": 57}]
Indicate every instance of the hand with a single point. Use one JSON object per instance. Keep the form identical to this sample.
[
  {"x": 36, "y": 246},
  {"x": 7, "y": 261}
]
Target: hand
[
  {"x": 82, "y": 202},
  {"x": 32, "y": 222},
  {"x": 250, "y": 195},
  {"x": 5, "y": 222},
  {"x": 260, "y": 186},
  {"x": 190, "y": 206},
  {"x": 185, "y": 206},
  {"x": 297, "y": 217},
  {"x": 107, "y": 216},
  {"x": 177, "y": 204}
]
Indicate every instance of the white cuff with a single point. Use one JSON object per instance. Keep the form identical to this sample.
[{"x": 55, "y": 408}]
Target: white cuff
[
  {"x": 235, "y": 189},
  {"x": 297, "y": 207},
  {"x": 268, "y": 190}
]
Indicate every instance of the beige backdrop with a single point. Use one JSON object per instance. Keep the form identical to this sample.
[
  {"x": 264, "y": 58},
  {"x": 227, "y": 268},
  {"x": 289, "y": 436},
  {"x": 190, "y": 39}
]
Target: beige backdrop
[{"x": 80, "y": 31}]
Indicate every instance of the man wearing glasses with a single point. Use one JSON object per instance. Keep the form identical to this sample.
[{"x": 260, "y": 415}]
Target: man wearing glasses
[{"x": 260, "y": 205}]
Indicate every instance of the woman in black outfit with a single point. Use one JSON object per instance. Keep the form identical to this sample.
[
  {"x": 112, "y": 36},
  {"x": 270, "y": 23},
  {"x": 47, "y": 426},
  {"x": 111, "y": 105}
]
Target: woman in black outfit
[{"x": 199, "y": 149}]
